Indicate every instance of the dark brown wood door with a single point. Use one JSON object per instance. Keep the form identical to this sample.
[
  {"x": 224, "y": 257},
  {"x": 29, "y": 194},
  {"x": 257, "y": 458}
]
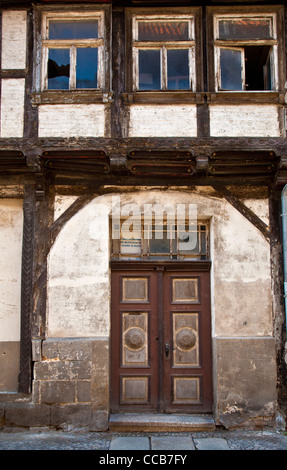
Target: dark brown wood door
[
  {"x": 160, "y": 339},
  {"x": 187, "y": 383}
]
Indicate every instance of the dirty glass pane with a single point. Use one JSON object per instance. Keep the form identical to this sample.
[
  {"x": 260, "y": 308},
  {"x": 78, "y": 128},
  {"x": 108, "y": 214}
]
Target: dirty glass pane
[
  {"x": 267, "y": 72},
  {"x": 84, "y": 29},
  {"x": 87, "y": 67},
  {"x": 163, "y": 31},
  {"x": 149, "y": 70},
  {"x": 231, "y": 69},
  {"x": 245, "y": 28},
  {"x": 178, "y": 69},
  {"x": 188, "y": 240},
  {"x": 58, "y": 69},
  {"x": 159, "y": 243},
  {"x": 131, "y": 242}
]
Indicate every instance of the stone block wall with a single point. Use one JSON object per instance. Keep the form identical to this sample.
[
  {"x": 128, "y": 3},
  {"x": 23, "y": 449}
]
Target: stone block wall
[{"x": 70, "y": 387}]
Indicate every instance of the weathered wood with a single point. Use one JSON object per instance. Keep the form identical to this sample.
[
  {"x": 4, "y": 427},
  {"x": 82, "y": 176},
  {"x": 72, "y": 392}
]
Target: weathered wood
[
  {"x": 57, "y": 226},
  {"x": 44, "y": 212},
  {"x": 120, "y": 146},
  {"x": 27, "y": 289},
  {"x": 277, "y": 282}
]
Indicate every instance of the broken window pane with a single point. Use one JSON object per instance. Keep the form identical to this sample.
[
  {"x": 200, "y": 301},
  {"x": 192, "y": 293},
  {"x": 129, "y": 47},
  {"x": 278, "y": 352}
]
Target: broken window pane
[
  {"x": 178, "y": 69},
  {"x": 231, "y": 69},
  {"x": 245, "y": 28},
  {"x": 58, "y": 69},
  {"x": 163, "y": 30},
  {"x": 87, "y": 67},
  {"x": 149, "y": 70},
  {"x": 86, "y": 29}
]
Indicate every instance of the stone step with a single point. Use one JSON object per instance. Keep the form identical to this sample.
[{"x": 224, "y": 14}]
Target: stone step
[{"x": 152, "y": 422}]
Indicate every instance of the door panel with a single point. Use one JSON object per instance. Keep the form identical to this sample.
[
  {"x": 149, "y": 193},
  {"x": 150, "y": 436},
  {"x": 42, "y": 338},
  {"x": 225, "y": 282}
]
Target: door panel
[
  {"x": 134, "y": 378},
  {"x": 161, "y": 341},
  {"x": 187, "y": 338}
]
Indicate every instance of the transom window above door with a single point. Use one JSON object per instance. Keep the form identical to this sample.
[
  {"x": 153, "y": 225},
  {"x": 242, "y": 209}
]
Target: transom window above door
[
  {"x": 163, "y": 52},
  {"x": 153, "y": 240},
  {"x": 73, "y": 51}
]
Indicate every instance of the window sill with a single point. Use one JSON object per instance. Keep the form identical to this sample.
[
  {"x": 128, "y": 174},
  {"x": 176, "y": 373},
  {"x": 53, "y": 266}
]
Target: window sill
[
  {"x": 71, "y": 97},
  {"x": 262, "y": 97},
  {"x": 164, "y": 97},
  {"x": 184, "y": 97}
]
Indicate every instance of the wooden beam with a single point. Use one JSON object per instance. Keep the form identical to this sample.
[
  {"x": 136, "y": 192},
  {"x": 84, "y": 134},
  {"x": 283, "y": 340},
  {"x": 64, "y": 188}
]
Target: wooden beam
[
  {"x": 244, "y": 210},
  {"x": 78, "y": 204}
]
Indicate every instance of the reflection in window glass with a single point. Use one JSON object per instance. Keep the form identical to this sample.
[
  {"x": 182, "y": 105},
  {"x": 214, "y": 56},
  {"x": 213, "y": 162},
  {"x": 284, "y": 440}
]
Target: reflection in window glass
[
  {"x": 231, "y": 69},
  {"x": 58, "y": 69},
  {"x": 163, "y": 30},
  {"x": 87, "y": 67},
  {"x": 86, "y": 29},
  {"x": 245, "y": 28},
  {"x": 178, "y": 69},
  {"x": 149, "y": 70}
]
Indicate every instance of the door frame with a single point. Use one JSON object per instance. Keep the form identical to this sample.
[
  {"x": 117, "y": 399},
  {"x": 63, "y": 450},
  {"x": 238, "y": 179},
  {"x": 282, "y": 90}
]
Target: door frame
[{"x": 187, "y": 267}]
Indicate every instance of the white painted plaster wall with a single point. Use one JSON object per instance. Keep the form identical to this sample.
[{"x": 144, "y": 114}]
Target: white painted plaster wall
[
  {"x": 244, "y": 120},
  {"x": 240, "y": 276},
  {"x": 87, "y": 120},
  {"x": 14, "y": 39},
  {"x": 12, "y": 107},
  {"x": 162, "y": 121},
  {"x": 78, "y": 268},
  {"x": 11, "y": 228}
]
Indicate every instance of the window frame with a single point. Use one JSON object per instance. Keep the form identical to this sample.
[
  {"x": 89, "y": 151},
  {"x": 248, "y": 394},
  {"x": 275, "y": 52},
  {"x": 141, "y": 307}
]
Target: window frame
[
  {"x": 163, "y": 47},
  {"x": 40, "y": 92},
  {"x": 133, "y": 17},
  {"x": 72, "y": 45},
  {"x": 214, "y": 15},
  {"x": 146, "y": 231}
]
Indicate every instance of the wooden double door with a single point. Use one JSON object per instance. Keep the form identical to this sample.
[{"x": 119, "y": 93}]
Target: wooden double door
[{"x": 161, "y": 338}]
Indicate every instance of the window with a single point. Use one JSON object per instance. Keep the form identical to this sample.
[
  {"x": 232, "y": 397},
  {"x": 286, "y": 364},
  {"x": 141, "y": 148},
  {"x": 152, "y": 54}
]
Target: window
[
  {"x": 245, "y": 52},
  {"x": 73, "y": 51},
  {"x": 154, "y": 240},
  {"x": 163, "y": 52}
]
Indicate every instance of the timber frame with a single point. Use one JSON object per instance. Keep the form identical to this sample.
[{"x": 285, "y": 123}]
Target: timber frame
[{"x": 88, "y": 167}]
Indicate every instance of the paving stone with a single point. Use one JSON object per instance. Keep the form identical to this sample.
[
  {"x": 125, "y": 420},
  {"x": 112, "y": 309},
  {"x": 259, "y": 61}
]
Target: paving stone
[
  {"x": 129, "y": 443},
  {"x": 171, "y": 443},
  {"x": 211, "y": 443}
]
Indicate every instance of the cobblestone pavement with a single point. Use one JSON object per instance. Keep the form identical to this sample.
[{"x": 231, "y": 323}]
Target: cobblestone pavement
[{"x": 111, "y": 441}]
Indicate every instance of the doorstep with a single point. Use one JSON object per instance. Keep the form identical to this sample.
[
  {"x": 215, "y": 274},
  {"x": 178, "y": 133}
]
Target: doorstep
[{"x": 152, "y": 422}]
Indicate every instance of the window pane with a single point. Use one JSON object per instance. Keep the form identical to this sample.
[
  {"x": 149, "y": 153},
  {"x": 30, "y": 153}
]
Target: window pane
[
  {"x": 87, "y": 67},
  {"x": 149, "y": 70},
  {"x": 86, "y": 29},
  {"x": 58, "y": 69},
  {"x": 245, "y": 28},
  {"x": 159, "y": 243},
  {"x": 188, "y": 240},
  {"x": 163, "y": 31},
  {"x": 231, "y": 69},
  {"x": 178, "y": 69}
]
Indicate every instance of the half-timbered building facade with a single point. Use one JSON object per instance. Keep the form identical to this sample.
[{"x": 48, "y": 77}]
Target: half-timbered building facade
[{"x": 142, "y": 211}]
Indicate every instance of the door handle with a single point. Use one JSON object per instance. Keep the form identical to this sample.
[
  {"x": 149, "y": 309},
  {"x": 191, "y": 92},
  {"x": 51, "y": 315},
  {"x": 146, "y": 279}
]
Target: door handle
[{"x": 167, "y": 349}]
